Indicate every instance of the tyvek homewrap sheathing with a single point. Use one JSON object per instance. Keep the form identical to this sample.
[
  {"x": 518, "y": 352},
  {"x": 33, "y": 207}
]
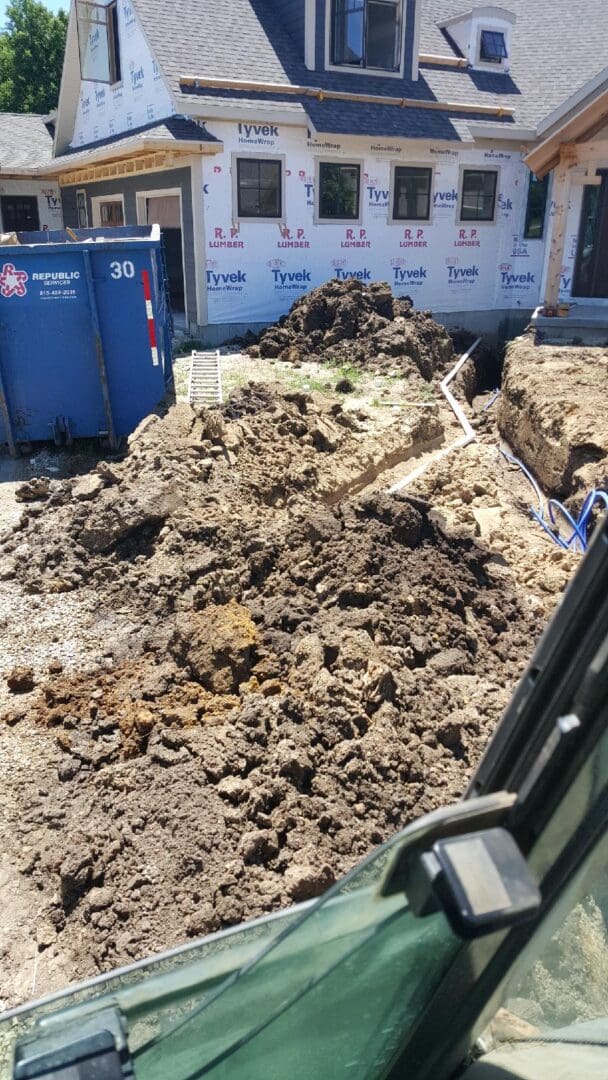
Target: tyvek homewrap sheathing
[
  {"x": 140, "y": 98},
  {"x": 255, "y": 270}
]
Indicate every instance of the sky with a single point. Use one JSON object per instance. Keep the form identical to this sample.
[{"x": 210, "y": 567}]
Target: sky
[{"x": 54, "y": 5}]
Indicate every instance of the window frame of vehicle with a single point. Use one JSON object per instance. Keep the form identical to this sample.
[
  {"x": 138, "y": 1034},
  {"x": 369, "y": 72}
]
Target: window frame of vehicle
[
  {"x": 413, "y": 167},
  {"x": 471, "y": 219},
  {"x": 542, "y": 187},
  {"x": 329, "y": 219},
  {"x": 337, "y": 42},
  {"x": 262, "y": 217}
]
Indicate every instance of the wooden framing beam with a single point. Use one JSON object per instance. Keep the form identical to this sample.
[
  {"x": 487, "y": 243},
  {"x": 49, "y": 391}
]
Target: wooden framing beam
[
  {"x": 443, "y": 61},
  {"x": 113, "y": 170},
  {"x": 561, "y": 195},
  {"x": 321, "y": 94}
]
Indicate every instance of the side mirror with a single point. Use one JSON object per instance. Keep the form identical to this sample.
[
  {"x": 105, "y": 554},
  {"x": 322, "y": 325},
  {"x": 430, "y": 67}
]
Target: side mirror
[{"x": 480, "y": 881}]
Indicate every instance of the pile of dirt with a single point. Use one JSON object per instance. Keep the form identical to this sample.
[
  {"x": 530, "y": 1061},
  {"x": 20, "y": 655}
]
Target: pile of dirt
[
  {"x": 304, "y": 676},
  {"x": 347, "y": 322},
  {"x": 548, "y": 413}
]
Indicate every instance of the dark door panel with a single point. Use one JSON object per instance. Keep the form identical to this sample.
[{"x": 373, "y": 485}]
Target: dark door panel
[{"x": 20, "y": 213}]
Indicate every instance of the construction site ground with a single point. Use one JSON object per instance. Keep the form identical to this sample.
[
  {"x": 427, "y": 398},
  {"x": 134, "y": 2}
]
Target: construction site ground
[{"x": 233, "y": 663}]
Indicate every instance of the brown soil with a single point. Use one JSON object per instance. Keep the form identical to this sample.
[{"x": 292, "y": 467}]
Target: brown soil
[
  {"x": 364, "y": 325},
  {"x": 552, "y": 412},
  {"x": 281, "y": 672}
]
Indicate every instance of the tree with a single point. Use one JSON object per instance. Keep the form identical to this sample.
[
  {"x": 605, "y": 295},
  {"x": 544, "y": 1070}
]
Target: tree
[{"x": 31, "y": 57}]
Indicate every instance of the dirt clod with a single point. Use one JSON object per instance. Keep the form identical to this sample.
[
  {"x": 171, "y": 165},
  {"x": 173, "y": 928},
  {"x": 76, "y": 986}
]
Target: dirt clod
[{"x": 21, "y": 680}]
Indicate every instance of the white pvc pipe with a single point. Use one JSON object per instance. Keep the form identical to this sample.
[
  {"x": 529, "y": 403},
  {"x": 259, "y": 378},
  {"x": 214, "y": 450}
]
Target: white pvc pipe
[{"x": 464, "y": 440}]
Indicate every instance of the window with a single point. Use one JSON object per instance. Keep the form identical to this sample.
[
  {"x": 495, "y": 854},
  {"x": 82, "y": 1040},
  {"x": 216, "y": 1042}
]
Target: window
[
  {"x": 535, "y": 210},
  {"x": 478, "y": 199},
  {"x": 492, "y": 47},
  {"x": 81, "y": 209},
  {"x": 412, "y": 193},
  {"x": 112, "y": 213},
  {"x": 339, "y": 191},
  {"x": 98, "y": 42},
  {"x": 107, "y": 211},
  {"x": 259, "y": 188},
  {"x": 367, "y": 33}
]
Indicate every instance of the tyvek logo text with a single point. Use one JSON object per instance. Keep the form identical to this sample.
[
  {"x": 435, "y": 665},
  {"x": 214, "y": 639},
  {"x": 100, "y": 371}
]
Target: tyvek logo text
[
  {"x": 258, "y": 134},
  {"x": 226, "y": 282},
  {"x": 410, "y": 275},
  {"x": 463, "y": 275},
  {"x": 358, "y": 275},
  {"x": 286, "y": 280}
]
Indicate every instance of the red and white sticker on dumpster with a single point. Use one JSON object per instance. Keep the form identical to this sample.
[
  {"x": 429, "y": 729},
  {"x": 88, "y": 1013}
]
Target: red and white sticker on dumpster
[
  {"x": 13, "y": 281},
  {"x": 150, "y": 317}
]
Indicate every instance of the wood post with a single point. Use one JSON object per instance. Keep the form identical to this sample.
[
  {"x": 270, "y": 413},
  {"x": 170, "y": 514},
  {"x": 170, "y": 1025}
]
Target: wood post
[{"x": 561, "y": 197}]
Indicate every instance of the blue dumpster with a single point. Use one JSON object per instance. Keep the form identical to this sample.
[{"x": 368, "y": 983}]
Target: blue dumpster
[{"x": 85, "y": 334}]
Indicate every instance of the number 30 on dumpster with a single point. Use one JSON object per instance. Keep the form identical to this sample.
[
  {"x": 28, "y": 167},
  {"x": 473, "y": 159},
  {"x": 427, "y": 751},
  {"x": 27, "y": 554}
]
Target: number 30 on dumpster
[{"x": 124, "y": 269}]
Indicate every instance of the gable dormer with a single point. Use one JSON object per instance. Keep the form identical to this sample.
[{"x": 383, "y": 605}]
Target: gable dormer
[{"x": 483, "y": 36}]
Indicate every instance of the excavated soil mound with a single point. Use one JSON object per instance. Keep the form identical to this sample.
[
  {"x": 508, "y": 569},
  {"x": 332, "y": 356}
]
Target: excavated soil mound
[
  {"x": 548, "y": 412},
  {"x": 302, "y": 678},
  {"x": 347, "y": 322}
]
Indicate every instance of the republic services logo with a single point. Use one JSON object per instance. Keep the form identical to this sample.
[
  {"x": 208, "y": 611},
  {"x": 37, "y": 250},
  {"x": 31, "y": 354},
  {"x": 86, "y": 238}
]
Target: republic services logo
[{"x": 12, "y": 281}]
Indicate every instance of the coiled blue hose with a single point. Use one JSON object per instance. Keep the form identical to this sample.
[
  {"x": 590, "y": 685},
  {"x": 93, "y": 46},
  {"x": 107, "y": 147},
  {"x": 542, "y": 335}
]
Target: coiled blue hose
[{"x": 579, "y": 539}]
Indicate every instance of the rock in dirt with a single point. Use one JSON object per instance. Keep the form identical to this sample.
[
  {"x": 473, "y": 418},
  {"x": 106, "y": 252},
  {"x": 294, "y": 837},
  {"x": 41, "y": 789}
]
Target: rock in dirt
[
  {"x": 548, "y": 413},
  {"x": 88, "y": 487},
  {"x": 347, "y": 322},
  {"x": 21, "y": 680}
]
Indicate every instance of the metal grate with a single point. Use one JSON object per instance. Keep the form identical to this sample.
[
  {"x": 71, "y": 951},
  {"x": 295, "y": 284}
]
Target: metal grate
[{"x": 205, "y": 385}]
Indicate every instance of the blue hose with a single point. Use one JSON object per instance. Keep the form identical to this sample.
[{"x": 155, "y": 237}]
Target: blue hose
[
  {"x": 579, "y": 538},
  {"x": 489, "y": 404}
]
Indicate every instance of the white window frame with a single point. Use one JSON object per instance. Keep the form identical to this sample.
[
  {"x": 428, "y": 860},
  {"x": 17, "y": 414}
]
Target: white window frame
[
  {"x": 141, "y": 198},
  {"x": 376, "y": 72},
  {"x": 97, "y": 200},
  {"x": 430, "y": 167},
  {"x": 318, "y": 220},
  {"x": 473, "y": 223},
  {"x": 237, "y": 156}
]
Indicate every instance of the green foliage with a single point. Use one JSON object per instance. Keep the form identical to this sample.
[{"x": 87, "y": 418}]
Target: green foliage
[{"x": 31, "y": 57}]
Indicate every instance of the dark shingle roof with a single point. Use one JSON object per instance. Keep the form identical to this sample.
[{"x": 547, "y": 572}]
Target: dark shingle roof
[
  {"x": 26, "y": 141},
  {"x": 173, "y": 129},
  {"x": 557, "y": 48}
]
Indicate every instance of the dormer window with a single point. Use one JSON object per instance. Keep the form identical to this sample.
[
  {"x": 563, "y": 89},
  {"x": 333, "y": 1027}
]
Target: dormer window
[
  {"x": 492, "y": 47},
  {"x": 366, "y": 34},
  {"x": 483, "y": 35}
]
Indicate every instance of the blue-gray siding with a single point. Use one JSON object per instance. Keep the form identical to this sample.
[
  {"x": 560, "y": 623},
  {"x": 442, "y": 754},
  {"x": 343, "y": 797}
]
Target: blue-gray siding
[
  {"x": 293, "y": 15},
  {"x": 129, "y": 187}
]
